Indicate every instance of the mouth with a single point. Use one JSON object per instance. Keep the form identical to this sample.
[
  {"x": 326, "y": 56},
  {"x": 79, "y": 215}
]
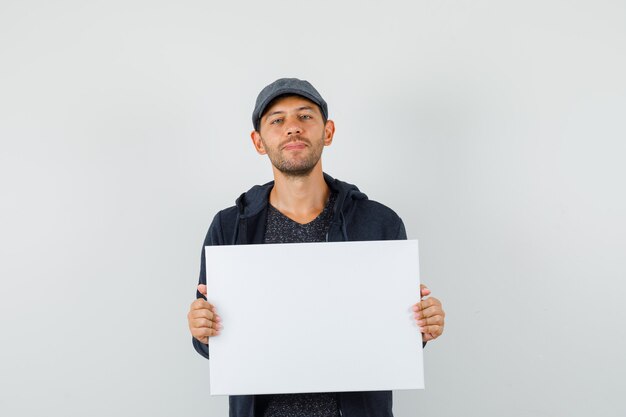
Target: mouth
[{"x": 292, "y": 146}]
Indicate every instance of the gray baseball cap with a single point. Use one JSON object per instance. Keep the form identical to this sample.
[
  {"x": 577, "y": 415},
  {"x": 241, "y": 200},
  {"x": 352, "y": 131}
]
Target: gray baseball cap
[{"x": 286, "y": 86}]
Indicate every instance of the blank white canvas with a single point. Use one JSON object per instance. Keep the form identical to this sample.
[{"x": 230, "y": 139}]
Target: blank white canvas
[{"x": 315, "y": 317}]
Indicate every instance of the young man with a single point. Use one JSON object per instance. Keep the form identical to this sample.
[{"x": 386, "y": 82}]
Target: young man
[{"x": 302, "y": 204}]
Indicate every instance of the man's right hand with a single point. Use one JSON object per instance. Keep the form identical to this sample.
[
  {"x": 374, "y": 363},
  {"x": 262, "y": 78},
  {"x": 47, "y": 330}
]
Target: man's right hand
[{"x": 202, "y": 318}]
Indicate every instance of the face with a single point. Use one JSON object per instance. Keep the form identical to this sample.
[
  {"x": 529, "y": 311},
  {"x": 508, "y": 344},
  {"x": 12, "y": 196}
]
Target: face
[{"x": 292, "y": 133}]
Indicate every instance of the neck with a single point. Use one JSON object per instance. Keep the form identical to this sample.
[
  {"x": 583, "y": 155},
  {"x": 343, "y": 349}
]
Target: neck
[{"x": 300, "y": 198}]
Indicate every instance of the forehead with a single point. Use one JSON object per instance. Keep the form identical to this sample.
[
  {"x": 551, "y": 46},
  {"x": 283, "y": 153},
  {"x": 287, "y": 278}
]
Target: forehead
[{"x": 290, "y": 103}]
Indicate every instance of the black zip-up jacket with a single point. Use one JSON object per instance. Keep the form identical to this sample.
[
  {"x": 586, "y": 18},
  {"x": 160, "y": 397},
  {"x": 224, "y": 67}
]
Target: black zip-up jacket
[{"x": 355, "y": 218}]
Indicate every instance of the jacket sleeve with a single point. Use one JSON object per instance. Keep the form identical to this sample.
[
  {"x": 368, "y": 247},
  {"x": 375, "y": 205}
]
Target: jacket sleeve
[
  {"x": 401, "y": 233},
  {"x": 213, "y": 237}
]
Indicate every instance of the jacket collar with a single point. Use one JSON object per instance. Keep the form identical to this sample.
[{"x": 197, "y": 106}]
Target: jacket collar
[{"x": 253, "y": 201}]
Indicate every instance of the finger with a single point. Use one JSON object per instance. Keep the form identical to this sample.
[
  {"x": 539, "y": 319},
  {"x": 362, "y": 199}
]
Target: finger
[
  {"x": 201, "y": 303},
  {"x": 425, "y": 303},
  {"x": 430, "y": 320},
  {"x": 422, "y": 305},
  {"x": 202, "y": 314},
  {"x": 427, "y": 337},
  {"x": 204, "y": 333},
  {"x": 431, "y": 301},
  {"x": 202, "y": 327},
  {"x": 424, "y": 291},
  {"x": 202, "y": 289},
  {"x": 434, "y": 330},
  {"x": 205, "y": 339},
  {"x": 202, "y": 323},
  {"x": 430, "y": 312}
]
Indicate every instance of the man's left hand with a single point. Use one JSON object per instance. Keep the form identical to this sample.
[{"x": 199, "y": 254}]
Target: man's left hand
[{"x": 429, "y": 315}]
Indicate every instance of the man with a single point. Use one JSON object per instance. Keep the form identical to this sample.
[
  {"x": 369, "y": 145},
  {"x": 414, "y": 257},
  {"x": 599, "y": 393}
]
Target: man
[{"x": 302, "y": 204}]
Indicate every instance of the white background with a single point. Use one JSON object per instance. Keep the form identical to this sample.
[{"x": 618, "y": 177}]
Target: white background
[{"x": 494, "y": 128}]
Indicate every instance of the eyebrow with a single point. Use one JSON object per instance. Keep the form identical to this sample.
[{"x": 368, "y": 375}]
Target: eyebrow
[{"x": 281, "y": 111}]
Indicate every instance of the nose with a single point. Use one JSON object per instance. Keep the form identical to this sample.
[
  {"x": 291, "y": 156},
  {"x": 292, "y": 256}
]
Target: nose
[{"x": 293, "y": 127}]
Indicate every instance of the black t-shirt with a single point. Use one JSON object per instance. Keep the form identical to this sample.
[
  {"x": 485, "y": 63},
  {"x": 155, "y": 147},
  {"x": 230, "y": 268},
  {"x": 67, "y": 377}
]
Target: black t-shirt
[{"x": 281, "y": 229}]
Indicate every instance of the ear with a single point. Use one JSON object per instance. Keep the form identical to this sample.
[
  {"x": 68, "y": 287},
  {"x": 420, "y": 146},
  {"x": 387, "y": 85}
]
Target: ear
[
  {"x": 258, "y": 142},
  {"x": 329, "y": 132}
]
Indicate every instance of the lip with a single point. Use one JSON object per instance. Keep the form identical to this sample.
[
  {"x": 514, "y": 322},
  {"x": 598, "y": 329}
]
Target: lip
[{"x": 294, "y": 146}]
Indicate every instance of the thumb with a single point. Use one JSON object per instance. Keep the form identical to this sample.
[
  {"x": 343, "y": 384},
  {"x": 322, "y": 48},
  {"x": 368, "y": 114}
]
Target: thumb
[
  {"x": 202, "y": 289},
  {"x": 424, "y": 291}
]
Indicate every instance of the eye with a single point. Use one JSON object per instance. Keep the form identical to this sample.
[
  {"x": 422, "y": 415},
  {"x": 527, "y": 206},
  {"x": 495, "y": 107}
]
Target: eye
[
  {"x": 276, "y": 121},
  {"x": 306, "y": 116}
]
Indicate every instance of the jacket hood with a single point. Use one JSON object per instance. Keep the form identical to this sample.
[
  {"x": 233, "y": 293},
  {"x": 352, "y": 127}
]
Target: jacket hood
[{"x": 255, "y": 199}]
